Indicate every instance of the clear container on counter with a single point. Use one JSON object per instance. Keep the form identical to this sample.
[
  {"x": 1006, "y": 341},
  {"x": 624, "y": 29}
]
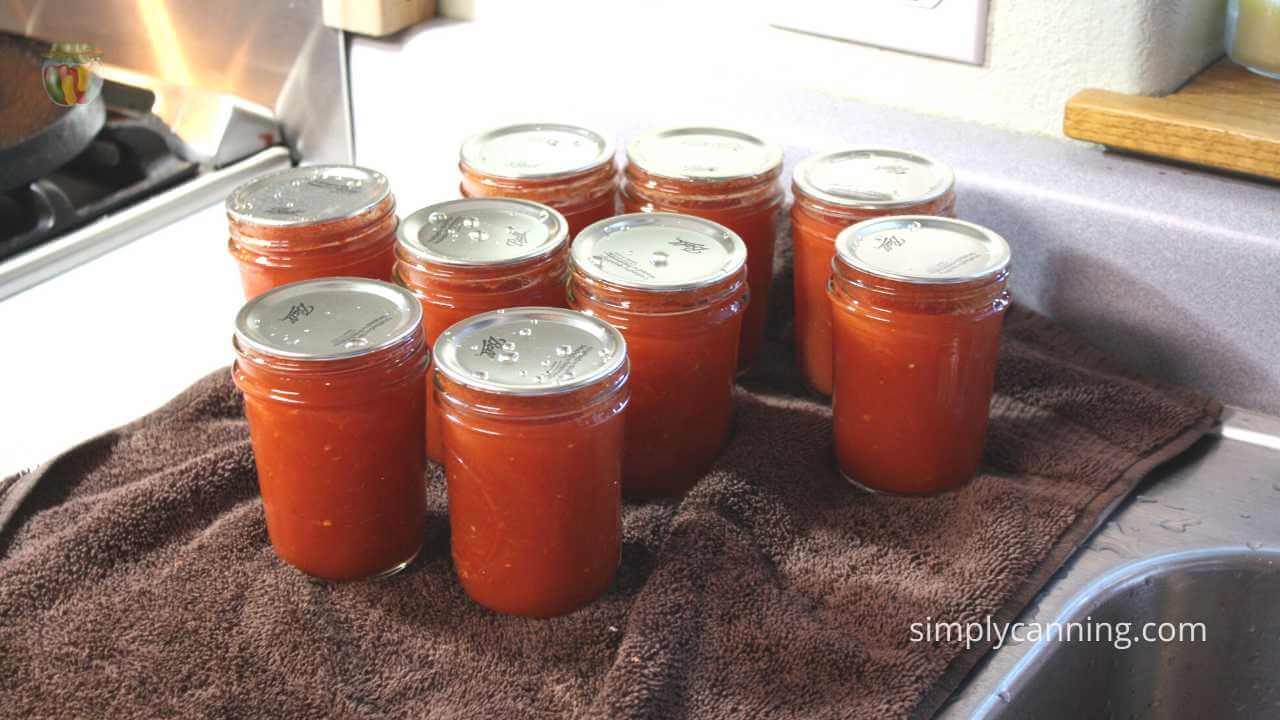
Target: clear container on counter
[
  {"x": 465, "y": 257},
  {"x": 722, "y": 175},
  {"x": 333, "y": 373},
  {"x": 676, "y": 287},
  {"x": 533, "y": 402},
  {"x": 918, "y": 303},
  {"x": 312, "y": 222},
  {"x": 832, "y": 192},
  {"x": 1253, "y": 35},
  {"x": 567, "y": 167}
]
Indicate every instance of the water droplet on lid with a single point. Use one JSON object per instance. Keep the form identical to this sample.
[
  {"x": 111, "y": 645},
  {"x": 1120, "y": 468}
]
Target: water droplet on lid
[
  {"x": 523, "y": 373},
  {"x": 481, "y": 374},
  {"x": 355, "y": 343},
  {"x": 525, "y": 332},
  {"x": 543, "y": 214},
  {"x": 475, "y": 348},
  {"x": 437, "y": 217},
  {"x": 567, "y": 376},
  {"x": 659, "y": 258},
  {"x": 289, "y": 204},
  {"x": 508, "y": 346},
  {"x": 470, "y": 222},
  {"x": 296, "y": 182},
  {"x": 1254, "y": 545},
  {"x": 545, "y": 363},
  {"x": 507, "y": 356},
  {"x": 606, "y": 353},
  {"x": 914, "y": 225},
  {"x": 563, "y": 350}
]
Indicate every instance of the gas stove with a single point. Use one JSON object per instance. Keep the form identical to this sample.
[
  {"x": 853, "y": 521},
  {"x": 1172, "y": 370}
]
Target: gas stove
[{"x": 134, "y": 156}]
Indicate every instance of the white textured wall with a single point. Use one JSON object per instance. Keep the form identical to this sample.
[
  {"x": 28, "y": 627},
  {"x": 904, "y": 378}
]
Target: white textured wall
[{"x": 1039, "y": 52}]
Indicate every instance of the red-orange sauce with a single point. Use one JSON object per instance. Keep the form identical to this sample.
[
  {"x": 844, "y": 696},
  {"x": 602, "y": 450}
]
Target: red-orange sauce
[
  {"x": 583, "y": 198},
  {"x": 362, "y": 245},
  {"x": 682, "y": 347},
  {"x": 534, "y": 492},
  {"x": 914, "y": 371},
  {"x": 748, "y": 206},
  {"x": 340, "y": 455},
  {"x": 814, "y": 226}
]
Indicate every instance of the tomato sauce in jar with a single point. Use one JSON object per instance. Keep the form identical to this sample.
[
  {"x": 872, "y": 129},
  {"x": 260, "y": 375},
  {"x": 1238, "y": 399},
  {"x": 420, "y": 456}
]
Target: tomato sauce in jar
[
  {"x": 312, "y": 222},
  {"x": 533, "y": 402},
  {"x": 676, "y": 287},
  {"x": 333, "y": 374},
  {"x": 835, "y": 191},
  {"x": 722, "y": 175},
  {"x": 917, "y": 303},
  {"x": 465, "y": 257},
  {"x": 567, "y": 167}
]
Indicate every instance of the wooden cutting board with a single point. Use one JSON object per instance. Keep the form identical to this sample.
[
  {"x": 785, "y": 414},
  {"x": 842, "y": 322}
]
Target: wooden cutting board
[{"x": 1226, "y": 117}]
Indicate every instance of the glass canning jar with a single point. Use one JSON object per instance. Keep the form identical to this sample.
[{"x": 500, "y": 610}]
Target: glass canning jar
[
  {"x": 567, "y": 167},
  {"x": 722, "y": 175},
  {"x": 533, "y": 402},
  {"x": 917, "y": 307},
  {"x": 464, "y": 257},
  {"x": 333, "y": 373},
  {"x": 676, "y": 288},
  {"x": 832, "y": 192},
  {"x": 312, "y": 222}
]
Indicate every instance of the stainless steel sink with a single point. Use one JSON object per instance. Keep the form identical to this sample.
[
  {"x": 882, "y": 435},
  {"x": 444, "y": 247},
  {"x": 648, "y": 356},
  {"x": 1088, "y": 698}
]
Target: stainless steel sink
[
  {"x": 1220, "y": 610},
  {"x": 1197, "y": 546}
]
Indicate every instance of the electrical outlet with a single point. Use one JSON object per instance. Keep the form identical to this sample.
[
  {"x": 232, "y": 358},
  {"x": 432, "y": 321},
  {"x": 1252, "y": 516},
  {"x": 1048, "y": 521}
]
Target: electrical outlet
[{"x": 948, "y": 29}]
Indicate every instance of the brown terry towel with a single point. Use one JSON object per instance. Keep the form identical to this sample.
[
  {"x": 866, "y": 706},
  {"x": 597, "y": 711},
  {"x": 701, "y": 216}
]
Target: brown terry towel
[{"x": 136, "y": 580}]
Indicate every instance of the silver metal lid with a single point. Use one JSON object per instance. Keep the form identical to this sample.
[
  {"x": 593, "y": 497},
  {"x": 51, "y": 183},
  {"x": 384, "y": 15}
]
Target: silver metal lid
[
  {"x": 483, "y": 231},
  {"x": 536, "y": 150},
  {"x": 873, "y": 178},
  {"x": 328, "y": 319},
  {"x": 529, "y": 351},
  {"x": 307, "y": 195},
  {"x": 703, "y": 153},
  {"x": 922, "y": 249},
  {"x": 658, "y": 251}
]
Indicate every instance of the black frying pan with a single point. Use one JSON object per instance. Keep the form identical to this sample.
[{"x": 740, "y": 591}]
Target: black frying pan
[{"x": 37, "y": 136}]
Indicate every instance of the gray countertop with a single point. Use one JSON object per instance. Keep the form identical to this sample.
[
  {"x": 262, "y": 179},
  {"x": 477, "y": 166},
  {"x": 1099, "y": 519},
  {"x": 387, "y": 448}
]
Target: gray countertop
[{"x": 1170, "y": 269}]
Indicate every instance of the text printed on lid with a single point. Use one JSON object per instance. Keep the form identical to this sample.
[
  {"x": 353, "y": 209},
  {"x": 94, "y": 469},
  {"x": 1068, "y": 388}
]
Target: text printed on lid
[
  {"x": 536, "y": 150},
  {"x": 309, "y": 194},
  {"x": 328, "y": 319},
  {"x": 704, "y": 153},
  {"x": 873, "y": 178},
  {"x": 658, "y": 251},
  {"x": 481, "y": 231},
  {"x": 529, "y": 350},
  {"x": 923, "y": 249}
]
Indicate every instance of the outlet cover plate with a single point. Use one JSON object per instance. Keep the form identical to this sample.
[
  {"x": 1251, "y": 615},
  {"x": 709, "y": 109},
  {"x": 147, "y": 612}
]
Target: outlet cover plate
[{"x": 947, "y": 29}]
